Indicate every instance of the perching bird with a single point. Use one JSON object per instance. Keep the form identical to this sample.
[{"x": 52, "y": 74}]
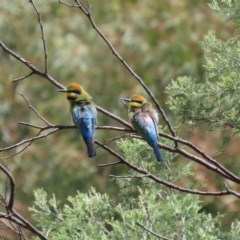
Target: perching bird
[
  {"x": 144, "y": 119},
  {"x": 84, "y": 114}
]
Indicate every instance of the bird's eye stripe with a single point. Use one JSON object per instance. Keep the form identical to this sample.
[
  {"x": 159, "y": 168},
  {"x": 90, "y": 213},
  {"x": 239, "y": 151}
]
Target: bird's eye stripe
[
  {"x": 75, "y": 91},
  {"x": 136, "y": 101}
]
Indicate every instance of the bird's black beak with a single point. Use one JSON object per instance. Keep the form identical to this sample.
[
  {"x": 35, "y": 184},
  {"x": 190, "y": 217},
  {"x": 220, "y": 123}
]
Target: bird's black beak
[
  {"x": 125, "y": 100},
  {"x": 62, "y": 90}
]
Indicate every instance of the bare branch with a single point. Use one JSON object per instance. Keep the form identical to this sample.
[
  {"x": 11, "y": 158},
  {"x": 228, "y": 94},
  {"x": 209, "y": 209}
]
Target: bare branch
[
  {"x": 67, "y": 4},
  {"x": 115, "y": 117},
  {"x": 231, "y": 191},
  {"x": 120, "y": 129},
  {"x": 12, "y": 187},
  {"x": 12, "y": 216},
  {"x": 29, "y": 141},
  {"x": 31, "y": 125},
  {"x": 26, "y": 224},
  {"x": 42, "y": 36},
  {"x": 225, "y": 171},
  {"x": 207, "y": 165},
  {"x": 199, "y": 160},
  {"x": 161, "y": 181}
]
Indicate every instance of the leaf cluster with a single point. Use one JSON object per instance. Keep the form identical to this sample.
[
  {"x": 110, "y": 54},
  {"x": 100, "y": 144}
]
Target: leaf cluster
[
  {"x": 142, "y": 211},
  {"x": 214, "y": 98}
]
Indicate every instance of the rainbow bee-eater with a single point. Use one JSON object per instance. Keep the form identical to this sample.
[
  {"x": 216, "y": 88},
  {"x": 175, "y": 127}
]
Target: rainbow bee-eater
[
  {"x": 84, "y": 114},
  {"x": 144, "y": 119}
]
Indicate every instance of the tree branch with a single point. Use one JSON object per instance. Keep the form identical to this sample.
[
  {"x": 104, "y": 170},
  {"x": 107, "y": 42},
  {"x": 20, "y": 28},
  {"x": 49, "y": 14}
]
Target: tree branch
[
  {"x": 12, "y": 216},
  {"x": 12, "y": 186},
  {"x": 161, "y": 181}
]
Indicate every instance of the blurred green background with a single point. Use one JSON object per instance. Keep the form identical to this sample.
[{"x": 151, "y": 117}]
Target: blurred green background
[{"x": 158, "y": 39}]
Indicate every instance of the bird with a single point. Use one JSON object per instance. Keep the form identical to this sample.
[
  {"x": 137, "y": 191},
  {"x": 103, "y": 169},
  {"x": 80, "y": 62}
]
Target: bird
[
  {"x": 144, "y": 119},
  {"x": 84, "y": 114}
]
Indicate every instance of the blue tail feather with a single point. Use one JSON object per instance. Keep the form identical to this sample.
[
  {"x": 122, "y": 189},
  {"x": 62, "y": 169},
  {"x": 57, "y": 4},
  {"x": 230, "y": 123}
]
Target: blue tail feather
[
  {"x": 158, "y": 153},
  {"x": 90, "y": 147}
]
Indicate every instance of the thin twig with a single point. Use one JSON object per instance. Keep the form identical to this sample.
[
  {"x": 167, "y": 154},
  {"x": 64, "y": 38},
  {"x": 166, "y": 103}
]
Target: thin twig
[
  {"x": 109, "y": 164},
  {"x": 67, "y": 4},
  {"x": 37, "y": 137},
  {"x": 24, "y": 77},
  {"x": 109, "y": 140},
  {"x": 42, "y": 36},
  {"x": 152, "y": 232},
  {"x": 128, "y": 176},
  {"x": 231, "y": 191},
  {"x": 34, "y": 110}
]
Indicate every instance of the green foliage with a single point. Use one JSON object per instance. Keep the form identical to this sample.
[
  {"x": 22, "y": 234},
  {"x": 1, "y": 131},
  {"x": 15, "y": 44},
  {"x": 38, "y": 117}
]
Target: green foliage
[
  {"x": 211, "y": 102},
  {"x": 235, "y": 231},
  {"x": 93, "y": 215},
  {"x": 82, "y": 216},
  {"x": 228, "y": 8},
  {"x": 215, "y": 99}
]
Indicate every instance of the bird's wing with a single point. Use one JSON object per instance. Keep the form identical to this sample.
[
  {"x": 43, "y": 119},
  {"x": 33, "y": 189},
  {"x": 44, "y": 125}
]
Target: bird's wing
[
  {"x": 147, "y": 127},
  {"x": 154, "y": 122},
  {"x": 85, "y": 118}
]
